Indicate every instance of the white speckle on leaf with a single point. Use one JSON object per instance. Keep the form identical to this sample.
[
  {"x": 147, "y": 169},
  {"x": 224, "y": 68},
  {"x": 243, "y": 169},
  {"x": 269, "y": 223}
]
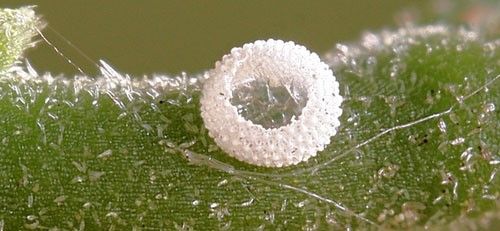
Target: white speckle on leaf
[
  {"x": 494, "y": 162},
  {"x": 112, "y": 215},
  {"x": 222, "y": 183},
  {"x": 77, "y": 179},
  {"x": 457, "y": 141},
  {"x": 195, "y": 203},
  {"x": 247, "y": 203},
  {"x": 31, "y": 217},
  {"x": 95, "y": 175},
  {"x": 489, "y": 107},
  {"x": 81, "y": 167},
  {"x": 105, "y": 154},
  {"x": 60, "y": 199},
  {"x": 442, "y": 126},
  {"x": 300, "y": 204},
  {"x": 87, "y": 205},
  {"x": 214, "y": 205},
  {"x": 30, "y": 201}
]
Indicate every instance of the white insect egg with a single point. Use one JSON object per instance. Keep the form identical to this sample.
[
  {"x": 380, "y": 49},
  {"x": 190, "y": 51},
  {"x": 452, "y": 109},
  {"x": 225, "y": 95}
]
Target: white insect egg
[{"x": 271, "y": 103}]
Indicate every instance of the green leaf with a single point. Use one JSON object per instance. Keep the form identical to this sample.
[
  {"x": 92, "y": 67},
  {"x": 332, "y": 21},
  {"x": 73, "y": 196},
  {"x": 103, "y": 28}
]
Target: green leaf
[
  {"x": 17, "y": 29},
  {"x": 422, "y": 119},
  {"x": 418, "y": 147}
]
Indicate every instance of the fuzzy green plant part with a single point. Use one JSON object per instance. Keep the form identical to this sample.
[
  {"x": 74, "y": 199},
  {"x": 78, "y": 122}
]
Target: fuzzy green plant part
[
  {"x": 17, "y": 29},
  {"x": 418, "y": 147}
]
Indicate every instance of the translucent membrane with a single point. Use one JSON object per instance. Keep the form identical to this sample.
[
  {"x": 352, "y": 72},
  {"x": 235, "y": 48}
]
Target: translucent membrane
[
  {"x": 269, "y": 106},
  {"x": 271, "y": 103}
]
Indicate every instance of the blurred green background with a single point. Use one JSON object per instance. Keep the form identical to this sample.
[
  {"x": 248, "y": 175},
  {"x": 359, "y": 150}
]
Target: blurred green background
[{"x": 144, "y": 37}]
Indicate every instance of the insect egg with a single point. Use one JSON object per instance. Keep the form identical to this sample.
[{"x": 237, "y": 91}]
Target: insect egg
[{"x": 271, "y": 103}]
